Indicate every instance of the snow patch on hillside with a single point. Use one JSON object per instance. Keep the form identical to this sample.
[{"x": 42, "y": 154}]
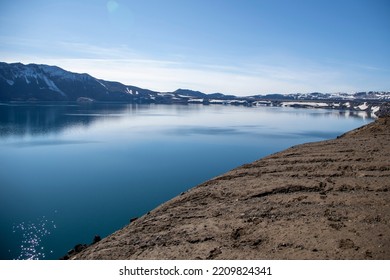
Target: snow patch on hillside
[
  {"x": 310, "y": 104},
  {"x": 52, "y": 85},
  {"x": 363, "y": 107}
]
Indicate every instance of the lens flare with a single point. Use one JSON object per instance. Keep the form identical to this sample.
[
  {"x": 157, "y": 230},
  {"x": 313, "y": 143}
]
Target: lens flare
[{"x": 112, "y": 6}]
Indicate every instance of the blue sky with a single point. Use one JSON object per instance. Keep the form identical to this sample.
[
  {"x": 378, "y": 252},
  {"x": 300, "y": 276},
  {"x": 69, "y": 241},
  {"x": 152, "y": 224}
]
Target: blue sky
[{"x": 235, "y": 47}]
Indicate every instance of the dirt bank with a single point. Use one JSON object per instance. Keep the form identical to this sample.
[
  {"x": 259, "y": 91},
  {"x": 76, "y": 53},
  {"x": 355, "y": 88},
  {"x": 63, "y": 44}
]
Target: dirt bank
[{"x": 324, "y": 200}]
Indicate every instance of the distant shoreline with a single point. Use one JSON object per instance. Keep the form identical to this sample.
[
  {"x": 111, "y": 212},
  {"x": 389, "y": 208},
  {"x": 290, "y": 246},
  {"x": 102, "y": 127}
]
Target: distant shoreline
[{"x": 369, "y": 107}]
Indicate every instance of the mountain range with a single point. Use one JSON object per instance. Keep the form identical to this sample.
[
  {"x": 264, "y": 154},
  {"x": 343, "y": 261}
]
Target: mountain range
[{"x": 37, "y": 82}]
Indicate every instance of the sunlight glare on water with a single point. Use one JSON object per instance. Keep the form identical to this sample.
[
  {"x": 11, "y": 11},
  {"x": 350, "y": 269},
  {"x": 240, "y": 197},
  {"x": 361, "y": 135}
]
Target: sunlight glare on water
[{"x": 33, "y": 235}]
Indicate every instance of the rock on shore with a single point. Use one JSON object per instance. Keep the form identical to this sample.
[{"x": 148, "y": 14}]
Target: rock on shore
[{"x": 323, "y": 200}]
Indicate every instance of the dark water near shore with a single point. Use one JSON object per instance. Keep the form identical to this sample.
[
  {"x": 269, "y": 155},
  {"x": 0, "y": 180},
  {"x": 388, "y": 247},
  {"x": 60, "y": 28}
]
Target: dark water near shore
[{"x": 69, "y": 172}]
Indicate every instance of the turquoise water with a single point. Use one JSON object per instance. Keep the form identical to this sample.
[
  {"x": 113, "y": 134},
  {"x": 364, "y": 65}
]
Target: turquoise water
[{"x": 69, "y": 172}]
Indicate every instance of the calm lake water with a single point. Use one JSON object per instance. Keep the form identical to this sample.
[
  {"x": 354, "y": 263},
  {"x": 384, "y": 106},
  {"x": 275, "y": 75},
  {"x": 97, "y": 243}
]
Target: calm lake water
[{"x": 69, "y": 172}]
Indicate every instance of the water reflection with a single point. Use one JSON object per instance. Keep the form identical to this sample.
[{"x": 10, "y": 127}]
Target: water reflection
[
  {"x": 29, "y": 120},
  {"x": 318, "y": 112},
  {"x": 36, "y": 143},
  {"x": 23, "y": 120},
  {"x": 137, "y": 157},
  {"x": 255, "y": 131}
]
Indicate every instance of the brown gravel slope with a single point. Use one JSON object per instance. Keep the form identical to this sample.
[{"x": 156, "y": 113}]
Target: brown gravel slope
[{"x": 324, "y": 200}]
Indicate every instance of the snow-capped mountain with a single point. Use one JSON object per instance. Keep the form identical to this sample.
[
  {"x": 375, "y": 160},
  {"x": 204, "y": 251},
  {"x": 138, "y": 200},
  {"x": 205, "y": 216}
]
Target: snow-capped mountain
[
  {"x": 19, "y": 82},
  {"x": 35, "y": 82},
  {"x": 371, "y": 95}
]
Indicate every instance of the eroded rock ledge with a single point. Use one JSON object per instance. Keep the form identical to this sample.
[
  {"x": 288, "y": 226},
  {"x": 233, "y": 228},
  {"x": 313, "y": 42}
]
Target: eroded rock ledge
[{"x": 324, "y": 200}]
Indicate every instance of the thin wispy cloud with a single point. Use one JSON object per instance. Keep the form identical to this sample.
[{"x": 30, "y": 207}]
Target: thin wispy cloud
[{"x": 122, "y": 63}]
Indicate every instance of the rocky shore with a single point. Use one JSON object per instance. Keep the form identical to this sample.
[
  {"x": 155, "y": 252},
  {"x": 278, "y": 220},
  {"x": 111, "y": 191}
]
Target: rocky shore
[{"x": 323, "y": 200}]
